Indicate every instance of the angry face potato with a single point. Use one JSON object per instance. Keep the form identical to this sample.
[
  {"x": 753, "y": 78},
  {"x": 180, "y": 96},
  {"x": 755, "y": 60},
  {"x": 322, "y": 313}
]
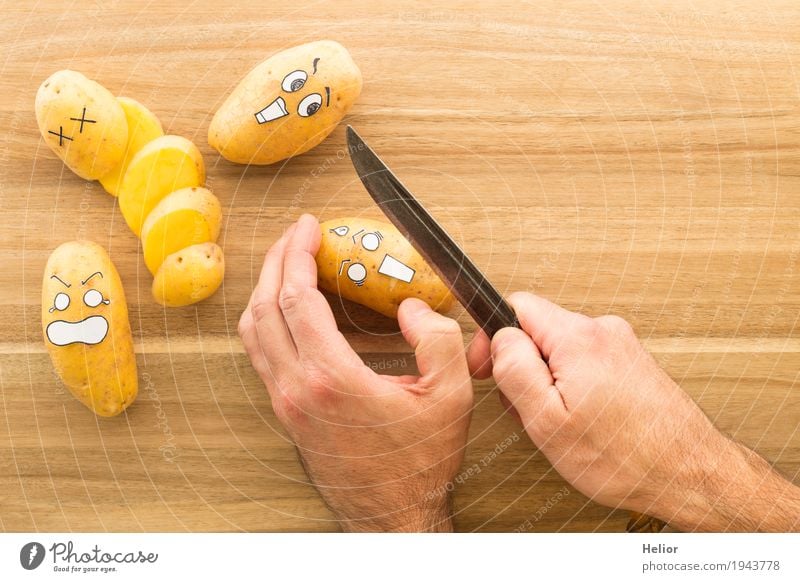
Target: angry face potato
[
  {"x": 371, "y": 263},
  {"x": 286, "y": 105},
  {"x": 86, "y": 328}
]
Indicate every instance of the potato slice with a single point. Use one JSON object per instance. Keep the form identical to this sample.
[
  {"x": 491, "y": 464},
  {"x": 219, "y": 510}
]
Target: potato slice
[
  {"x": 82, "y": 123},
  {"x": 166, "y": 164},
  {"x": 189, "y": 275},
  {"x": 143, "y": 127},
  {"x": 184, "y": 218}
]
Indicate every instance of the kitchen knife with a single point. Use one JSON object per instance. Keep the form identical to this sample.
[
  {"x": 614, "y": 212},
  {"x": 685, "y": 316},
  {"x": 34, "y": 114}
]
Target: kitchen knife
[{"x": 467, "y": 283}]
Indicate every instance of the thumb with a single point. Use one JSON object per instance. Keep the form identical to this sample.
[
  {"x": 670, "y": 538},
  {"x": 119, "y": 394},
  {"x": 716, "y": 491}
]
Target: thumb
[
  {"x": 437, "y": 342},
  {"x": 525, "y": 380}
]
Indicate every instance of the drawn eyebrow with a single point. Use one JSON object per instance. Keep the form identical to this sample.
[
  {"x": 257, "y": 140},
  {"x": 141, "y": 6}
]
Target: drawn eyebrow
[
  {"x": 328, "y": 93},
  {"x": 67, "y": 285},
  {"x": 90, "y": 276},
  {"x": 315, "y": 66}
]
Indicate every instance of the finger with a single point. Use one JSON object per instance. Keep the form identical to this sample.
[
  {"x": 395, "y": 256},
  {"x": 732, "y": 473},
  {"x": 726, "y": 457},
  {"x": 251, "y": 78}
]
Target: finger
[
  {"x": 509, "y": 407},
  {"x": 307, "y": 313},
  {"x": 273, "y": 343},
  {"x": 525, "y": 380},
  {"x": 550, "y": 325},
  {"x": 479, "y": 355},
  {"x": 437, "y": 342}
]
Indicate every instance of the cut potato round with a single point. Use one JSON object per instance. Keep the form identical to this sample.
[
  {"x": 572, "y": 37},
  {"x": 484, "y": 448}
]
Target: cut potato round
[
  {"x": 166, "y": 164},
  {"x": 184, "y": 218},
  {"x": 189, "y": 275},
  {"x": 82, "y": 122},
  {"x": 143, "y": 127}
]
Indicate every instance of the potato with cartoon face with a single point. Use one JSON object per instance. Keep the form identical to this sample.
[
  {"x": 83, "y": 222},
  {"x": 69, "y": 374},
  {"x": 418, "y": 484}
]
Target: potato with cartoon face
[
  {"x": 82, "y": 122},
  {"x": 286, "y": 105},
  {"x": 371, "y": 263},
  {"x": 86, "y": 328}
]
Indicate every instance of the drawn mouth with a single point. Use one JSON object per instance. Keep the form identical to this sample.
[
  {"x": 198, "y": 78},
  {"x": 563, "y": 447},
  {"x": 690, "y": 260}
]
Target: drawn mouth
[
  {"x": 274, "y": 110},
  {"x": 91, "y": 331}
]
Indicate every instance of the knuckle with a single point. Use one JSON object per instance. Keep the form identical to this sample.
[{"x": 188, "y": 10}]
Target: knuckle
[
  {"x": 615, "y": 324},
  {"x": 444, "y": 326},
  {"x": 289, "y": 297},
  {"x": 245, "y": 324},
  {"x": 286, "y": 408},
  {"x": 263, "y": 307}
]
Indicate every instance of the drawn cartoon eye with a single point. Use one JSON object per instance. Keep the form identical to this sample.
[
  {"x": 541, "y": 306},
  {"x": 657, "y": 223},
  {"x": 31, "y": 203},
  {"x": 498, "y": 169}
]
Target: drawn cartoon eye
[
  {"x": 61, "y": 301},
  {"x": 294, "y": 81},
  {"x": 310, "y": 105},
  {"x": 93, "y": 298}
]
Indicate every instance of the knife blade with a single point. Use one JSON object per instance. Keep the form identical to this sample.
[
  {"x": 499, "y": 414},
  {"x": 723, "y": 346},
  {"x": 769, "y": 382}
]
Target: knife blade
[{"x": 466, "y": 281}]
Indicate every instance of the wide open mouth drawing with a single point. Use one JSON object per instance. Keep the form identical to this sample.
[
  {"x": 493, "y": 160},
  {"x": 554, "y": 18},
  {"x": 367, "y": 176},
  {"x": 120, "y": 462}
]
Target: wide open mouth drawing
[{"x": 90, "y": 331}]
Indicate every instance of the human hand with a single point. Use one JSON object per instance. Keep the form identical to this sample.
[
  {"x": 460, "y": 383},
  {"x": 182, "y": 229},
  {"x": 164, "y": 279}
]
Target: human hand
[
  {"x": 617, "y": 428},
  {"x": 380, "y": 449}
]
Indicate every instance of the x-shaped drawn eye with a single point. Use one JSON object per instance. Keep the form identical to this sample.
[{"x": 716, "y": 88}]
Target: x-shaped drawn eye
[{"x": 93, "y": 298}]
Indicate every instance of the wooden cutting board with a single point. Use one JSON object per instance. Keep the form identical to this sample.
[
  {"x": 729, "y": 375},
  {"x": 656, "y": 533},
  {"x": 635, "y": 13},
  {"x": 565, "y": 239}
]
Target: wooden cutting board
[{"x": 613, "y": 157}]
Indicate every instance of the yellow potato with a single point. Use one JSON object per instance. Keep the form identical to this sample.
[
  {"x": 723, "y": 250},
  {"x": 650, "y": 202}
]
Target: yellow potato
[
  {"x": 286, "y": 105},
  {"x": 371, "y": 263},
  {"x": 82, "y": 123},
  {"x": 166, "y": 164},
  {"x": 143, "y": 127},
  {"x": 189, "y": 275},
  {"x": 86, "y": 328},
  {"x": 184, "y": 218}
]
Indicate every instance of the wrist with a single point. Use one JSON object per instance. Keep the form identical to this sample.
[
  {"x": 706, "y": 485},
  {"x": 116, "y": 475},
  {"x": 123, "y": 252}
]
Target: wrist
[{"x": 431, "y": 518}]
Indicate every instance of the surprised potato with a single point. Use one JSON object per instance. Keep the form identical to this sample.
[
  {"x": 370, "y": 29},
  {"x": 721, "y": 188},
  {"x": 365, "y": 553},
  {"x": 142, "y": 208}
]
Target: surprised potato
[
  {"x": 371, "y": 263},
  {"x": 286, "y": 105}
]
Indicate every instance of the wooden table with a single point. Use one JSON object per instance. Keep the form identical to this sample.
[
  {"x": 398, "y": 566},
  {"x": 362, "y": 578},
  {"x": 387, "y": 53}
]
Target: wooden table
[{"x": 613, "y": 157}]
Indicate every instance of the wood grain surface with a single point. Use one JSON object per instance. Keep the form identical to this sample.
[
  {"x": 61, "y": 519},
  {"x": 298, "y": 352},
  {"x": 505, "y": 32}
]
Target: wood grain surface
[{"x": 638, "y": 158}]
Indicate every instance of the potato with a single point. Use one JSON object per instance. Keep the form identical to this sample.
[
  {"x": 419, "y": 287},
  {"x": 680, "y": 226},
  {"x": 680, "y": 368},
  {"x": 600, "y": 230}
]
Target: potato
[
  {"x": 166, "y": 164},
  {"x": 82, "y": 123},
  {"x": 286, "y": 105},
  {"x": 143, "y": 127},
  {"x": 189, "y": 275},
  {"x": 184, "y": 218},
  {"x": 371, "y": 263},
  {"x": 86, "y": 328}
]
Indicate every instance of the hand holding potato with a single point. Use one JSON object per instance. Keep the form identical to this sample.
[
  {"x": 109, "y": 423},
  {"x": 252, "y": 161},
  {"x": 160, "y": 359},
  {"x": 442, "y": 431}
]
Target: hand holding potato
[{"x": 380, "y": 449}]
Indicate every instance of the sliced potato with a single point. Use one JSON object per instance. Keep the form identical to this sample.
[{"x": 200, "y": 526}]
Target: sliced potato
[
  {"x": 82, "y": 123},
  {"x": 189, "y": 275},
  {"x": 143, "y": 127},
  {"x": 166, "y": 164},
  {"x": 184, "y": 218}
]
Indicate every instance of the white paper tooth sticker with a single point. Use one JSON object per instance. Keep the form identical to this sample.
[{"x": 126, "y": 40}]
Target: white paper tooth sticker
[
  {"x": 274, "y": 110},
  {"x": 391, "y": 267},
  {"x": 90, "y": 331}
]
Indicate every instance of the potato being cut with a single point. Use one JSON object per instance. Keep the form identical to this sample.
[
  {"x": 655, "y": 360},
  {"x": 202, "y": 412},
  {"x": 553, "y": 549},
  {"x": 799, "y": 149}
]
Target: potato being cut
[
  {"x": 371, "y": 263},
  {"x": 82, "y": 123},
  {"x": 166, "y": 164},
  {"x": 143, "y": 127},
  {"x": 189, "y": 275},
  {"x": 184, "y": 218}
]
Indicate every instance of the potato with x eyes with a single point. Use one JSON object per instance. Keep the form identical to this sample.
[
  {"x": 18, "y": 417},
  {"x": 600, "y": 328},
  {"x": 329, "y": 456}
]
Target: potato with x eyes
[
  {"x": 82, "y": 122},
  {"x": 286, "y": 105},
  {"x": 86, "y": 328}
]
